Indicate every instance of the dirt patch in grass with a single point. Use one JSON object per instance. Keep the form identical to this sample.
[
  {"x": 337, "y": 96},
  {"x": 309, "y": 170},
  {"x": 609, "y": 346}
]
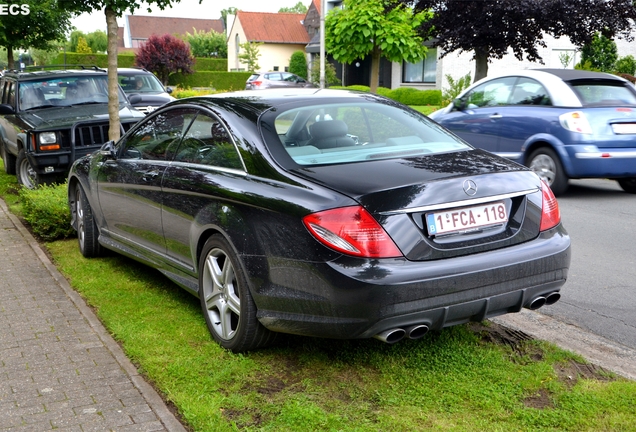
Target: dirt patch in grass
[{"x": 524, "y": 352}]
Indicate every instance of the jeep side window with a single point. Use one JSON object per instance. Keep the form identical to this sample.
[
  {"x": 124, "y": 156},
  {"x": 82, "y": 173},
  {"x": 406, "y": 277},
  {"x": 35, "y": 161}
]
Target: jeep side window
[{"x": 11, "y": 94}]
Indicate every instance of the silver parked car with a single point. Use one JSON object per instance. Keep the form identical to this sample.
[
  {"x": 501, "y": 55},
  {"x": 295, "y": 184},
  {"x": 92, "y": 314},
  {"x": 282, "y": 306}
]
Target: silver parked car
[{"x": 264, "y": 80}]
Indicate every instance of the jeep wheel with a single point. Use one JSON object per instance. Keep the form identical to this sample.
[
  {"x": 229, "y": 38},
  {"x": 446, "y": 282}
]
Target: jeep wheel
[
  {"x": 9, "y": 160},
  {"x": 25, "y": 172},
  {"x": 28, "y": 177}
]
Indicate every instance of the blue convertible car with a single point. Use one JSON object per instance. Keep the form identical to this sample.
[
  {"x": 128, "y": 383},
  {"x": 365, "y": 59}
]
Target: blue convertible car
[{"x": 561, "y": 123}]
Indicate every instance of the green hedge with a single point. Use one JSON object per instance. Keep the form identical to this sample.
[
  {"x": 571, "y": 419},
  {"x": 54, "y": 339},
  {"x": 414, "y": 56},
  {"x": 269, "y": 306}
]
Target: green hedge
[
  {"x": 210, "y": 64},
  {"x": 127, "y": 59},
  {"x": 46, "y": 210},
  {"x": 215, "y": 80},
  {"x": 100, "y": 60},
  {"x": 405, "y": 95}
]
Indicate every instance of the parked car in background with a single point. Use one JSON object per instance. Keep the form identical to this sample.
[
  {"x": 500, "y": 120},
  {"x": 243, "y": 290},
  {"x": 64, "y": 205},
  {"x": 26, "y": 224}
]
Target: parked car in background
[
  {"x": 562, "y": 123},
  {"x": 259, "y": 81},
  {"x": 150, "y": 91},
  {"x": 321, "y": 213},
  {"x": 50, "y": 118}
]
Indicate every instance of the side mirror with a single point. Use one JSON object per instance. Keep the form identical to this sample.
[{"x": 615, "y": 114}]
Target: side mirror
[
  {"x": 134, "y": 99},
  {"x": 459, "y": 104},
  {"x": 108, "y": 149},
  {"x": 6, "y": 109},
  {"x": 168, "y": 90}
]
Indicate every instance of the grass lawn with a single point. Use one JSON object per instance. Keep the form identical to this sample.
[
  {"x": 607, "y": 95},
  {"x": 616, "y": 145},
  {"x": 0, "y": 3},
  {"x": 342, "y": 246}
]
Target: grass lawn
[{"x": 476, "y": 377}]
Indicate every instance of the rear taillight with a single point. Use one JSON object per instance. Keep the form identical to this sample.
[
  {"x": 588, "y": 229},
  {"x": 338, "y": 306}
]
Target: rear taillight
[
  {"x": 575, "y": 122},
  {"x": 257, "y": 83},
  {"x": 550, "y": 214},
  {"x": 352, "y": 231}
]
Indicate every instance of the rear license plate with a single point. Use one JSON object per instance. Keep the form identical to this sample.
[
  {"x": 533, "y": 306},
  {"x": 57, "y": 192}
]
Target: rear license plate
[
  {"x": 466, "y": 219},
  {"x": 624, "y": 128}
]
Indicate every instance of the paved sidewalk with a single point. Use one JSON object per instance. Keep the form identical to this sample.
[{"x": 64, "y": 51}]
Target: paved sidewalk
[{"x": 59, "y": 368}]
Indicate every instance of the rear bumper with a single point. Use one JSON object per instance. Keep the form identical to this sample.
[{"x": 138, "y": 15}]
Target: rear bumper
[
  {"x": 592, "y": 161},
  {"x": 353, "y": 298}
]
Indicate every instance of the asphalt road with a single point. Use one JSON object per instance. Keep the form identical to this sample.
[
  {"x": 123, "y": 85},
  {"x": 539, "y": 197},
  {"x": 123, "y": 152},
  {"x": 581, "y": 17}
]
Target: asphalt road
[{"x": 600, "y": 294}]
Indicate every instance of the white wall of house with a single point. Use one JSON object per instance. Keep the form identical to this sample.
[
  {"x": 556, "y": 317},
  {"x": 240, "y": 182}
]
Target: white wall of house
[
  {"x": 459, "y": 64},
  {"x": 273, "y": 56},
  {"x": 277, "y": 56}
]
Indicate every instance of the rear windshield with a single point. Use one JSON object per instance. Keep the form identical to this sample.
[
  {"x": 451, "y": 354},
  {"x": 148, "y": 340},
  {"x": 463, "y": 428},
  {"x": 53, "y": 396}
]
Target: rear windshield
[
  {"x": 253, "y": 77},
  {"x": 354, "y": 132},
  {"x": 604, "y": 93}
]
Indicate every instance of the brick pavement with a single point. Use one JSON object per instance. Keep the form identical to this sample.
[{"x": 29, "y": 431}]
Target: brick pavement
[{"x": 59, "y": 368}]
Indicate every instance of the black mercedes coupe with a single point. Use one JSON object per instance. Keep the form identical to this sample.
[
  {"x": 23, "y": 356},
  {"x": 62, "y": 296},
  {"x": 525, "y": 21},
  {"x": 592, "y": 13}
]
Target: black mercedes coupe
[{"x": 322, "y": 213}]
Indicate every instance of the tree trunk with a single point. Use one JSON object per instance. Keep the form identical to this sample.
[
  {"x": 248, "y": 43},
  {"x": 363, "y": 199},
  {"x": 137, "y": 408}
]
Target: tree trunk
[
  {"x": 375, "y": 69},
  {"x": 113, "y": 94},
  {"x": 10, "y": 59},
  {"x": 481, "y": 64}
]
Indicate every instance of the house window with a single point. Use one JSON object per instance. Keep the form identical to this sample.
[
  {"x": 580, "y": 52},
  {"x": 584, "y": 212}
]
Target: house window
[
  {"x": 276, "y": 68},
  {"x": 423, "y": 71}
]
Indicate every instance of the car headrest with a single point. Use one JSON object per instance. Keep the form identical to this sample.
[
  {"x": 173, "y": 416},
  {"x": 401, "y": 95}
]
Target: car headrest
[{"x": 328, "y": 129}]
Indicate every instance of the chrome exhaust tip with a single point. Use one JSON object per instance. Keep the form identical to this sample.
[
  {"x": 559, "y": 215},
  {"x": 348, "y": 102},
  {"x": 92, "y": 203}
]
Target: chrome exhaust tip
[
  {"x": 536, "y": 303},
  {"x": 391, "y": 336},
  {"x": 416, "y": 331},
  {"x": 552, "y": 298}
]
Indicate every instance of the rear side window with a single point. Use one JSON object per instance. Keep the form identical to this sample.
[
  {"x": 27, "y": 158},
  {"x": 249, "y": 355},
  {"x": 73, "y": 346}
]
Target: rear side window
[
  {"x": 603, "y": 93},
  {"x": 529, "y": 92}
]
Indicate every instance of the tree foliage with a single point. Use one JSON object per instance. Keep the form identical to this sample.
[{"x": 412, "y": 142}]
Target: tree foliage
[
  {"x": 225, "y": 12},
  {"x": 207, "y": 44},
  {"x": 298, "y": 64},
  {"x": 331, "y": 77},
  {"x": 250, "y": 55},
  {"x": 165, "y": 55},
  {"x": 297, "y": 8},
  {"x": 46, "y": 23},
  {"x": 490, "y": 28},
  {"x": 97, "y": 41},
  {"x": 379, "y": 28},
  {"x": 112, "y": 9},
  {"x": 82, "y": 46},
  {"x": 601, "y": 53}
]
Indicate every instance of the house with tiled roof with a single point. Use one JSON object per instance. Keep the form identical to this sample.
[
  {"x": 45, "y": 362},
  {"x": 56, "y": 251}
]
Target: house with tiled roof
[
  {"x": 138, "y": 28},
  {"x": 280, "y": 33}
]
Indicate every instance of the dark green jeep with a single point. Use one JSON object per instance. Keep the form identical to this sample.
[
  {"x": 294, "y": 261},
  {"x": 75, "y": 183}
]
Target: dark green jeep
[{"x": 48, "y": 119}]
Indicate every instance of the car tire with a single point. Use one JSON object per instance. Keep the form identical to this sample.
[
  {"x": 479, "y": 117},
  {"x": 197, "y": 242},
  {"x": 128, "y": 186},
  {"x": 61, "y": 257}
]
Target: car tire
[
  {"x": 547, "y": 165},
  {"x": 226, "y": 302},
  {"x": 27, "y": 176},
  {"x": 628, "y": 185},
  {"x": 9, "y": 161},
  {"x": 87, "y": 232}
]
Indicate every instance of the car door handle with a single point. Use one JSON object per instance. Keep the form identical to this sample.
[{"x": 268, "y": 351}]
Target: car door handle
[
  {"x": 149, "y": 175},
  {"x": 496, "y": 116}
]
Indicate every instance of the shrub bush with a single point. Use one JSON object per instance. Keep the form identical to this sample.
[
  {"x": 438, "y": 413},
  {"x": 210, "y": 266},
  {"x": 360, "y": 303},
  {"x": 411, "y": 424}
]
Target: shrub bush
[
  {"x": 298, "y": 64},
  {"x": 210, "y": 64},
  {"x": 405, "y": 95},
  {"x": 216, "y": 80},
  {"x": 46, "y": 210},
  {"x": 100, "y": 60},
  {"x": 413, "y": 96},
  {"x": 626, "y": 65}
]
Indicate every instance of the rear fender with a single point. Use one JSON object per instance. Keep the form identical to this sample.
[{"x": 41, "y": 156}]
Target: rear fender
[{"x": 546, "y": 140}]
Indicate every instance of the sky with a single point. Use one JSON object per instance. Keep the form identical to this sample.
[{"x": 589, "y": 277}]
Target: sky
[{"x": 208, "y": 9}]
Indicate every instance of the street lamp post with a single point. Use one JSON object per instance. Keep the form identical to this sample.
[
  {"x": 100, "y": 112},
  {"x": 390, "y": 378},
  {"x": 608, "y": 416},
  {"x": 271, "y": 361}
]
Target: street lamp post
[{"x": 323, "y": 12}]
